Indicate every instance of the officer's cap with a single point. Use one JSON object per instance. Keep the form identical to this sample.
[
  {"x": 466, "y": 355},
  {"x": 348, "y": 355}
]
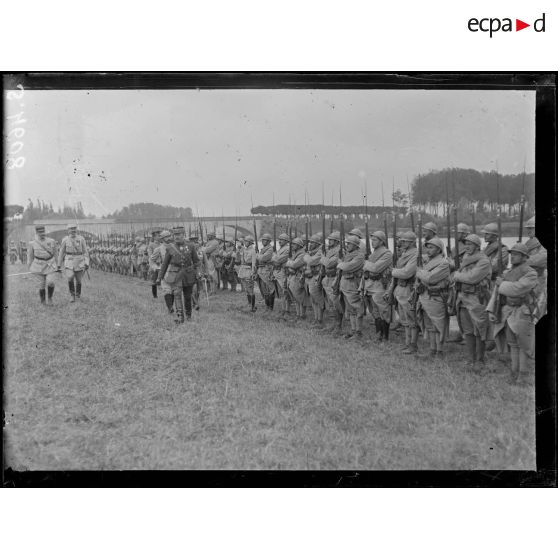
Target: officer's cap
[
  {"x": 178, "y": 230},
  {"x": 521, "y": 248},
  {"x": 72, "y": 227},
  {"x": 40, "y": 228},
  {"x": 430, "y": 227},
  {"x": 490, "y": 228},
  {"x": 474, "y": 239},
  {"x": 166, "y": 234},
  {"x": 380, "y": 235},
  {"x": 298, "y": 241},
  {"x": 435, "y": 242},
  {"x": 530, "y": 223}
]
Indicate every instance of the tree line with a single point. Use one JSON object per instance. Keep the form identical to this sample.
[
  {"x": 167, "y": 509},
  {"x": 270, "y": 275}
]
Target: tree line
[{"x": 150, "y": 211}]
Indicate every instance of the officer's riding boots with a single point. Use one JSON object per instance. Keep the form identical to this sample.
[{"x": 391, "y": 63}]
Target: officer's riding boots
[
  {"x": 72, "y": 291},
  {"x": 42, "y": 295},
  {"x": 50, "y": 293}
]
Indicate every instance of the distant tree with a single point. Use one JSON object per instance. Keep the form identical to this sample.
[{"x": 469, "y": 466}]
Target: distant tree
[{"x": 11, "y": 210}]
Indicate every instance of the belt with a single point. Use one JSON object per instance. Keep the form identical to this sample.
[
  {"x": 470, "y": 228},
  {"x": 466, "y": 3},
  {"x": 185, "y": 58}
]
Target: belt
[
  {"x": 512, "y": 301},
  {"x": 74, "y": 253},
  {"x": 352, "y": 275},
  {"x": 44, "y": 259}
]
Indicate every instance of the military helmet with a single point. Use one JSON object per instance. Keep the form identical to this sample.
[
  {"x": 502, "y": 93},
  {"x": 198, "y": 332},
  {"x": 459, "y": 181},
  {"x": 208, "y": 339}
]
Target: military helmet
[
  {"x": 430, "y": 227},
  {"x": 356, "y": 232},
  {"x": 490, "y": 228},
  {"x": 210, "y": 234},
  {"x": 71, "y": 227},
  {"x": 156, "y": 230},
  {"x": 316, "y": 238},
  {"x": 298, "y": 241},
  {"x": 408, "y": 236},
  {"x": 284, "y": 236},
  {"x": 435, "y": 242},
  {"x": 380, "y": 235},
  {"x": 165, "y": 234},
  {"x": 530, "y": 223},
  {"x": 335, "y": 235},
  {"x": 248, "y": 239},
  {"x": 521, "y": 248},
  {"x": 266, "y": 236},
  {"x": 352, "y": 239},
  {"x": 474, "y": 239},
  {"x": 463, "y": 228}
]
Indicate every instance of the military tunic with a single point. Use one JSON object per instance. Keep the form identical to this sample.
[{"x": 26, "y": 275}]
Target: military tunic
[
  {"x": 404, "y": 273},
  {"x": 247, "y": 268},
  {"x": 312, "y": 274},
  {"x": 265, "y": 270},
  {"x": 296, "y": 281},
  {"x": 42, "y": 261},
  {"x": 351, "y": 267},
  {"x": 491, "y": 251},
  {"x": 279, "y": 259},
  {"x": 74, "y": 255},
  {"x": 538, "y": 261},
  {"x": 330, "y": 261},
  {"x": 377, "y": 273},
  {"x": 473, "y": 292}
]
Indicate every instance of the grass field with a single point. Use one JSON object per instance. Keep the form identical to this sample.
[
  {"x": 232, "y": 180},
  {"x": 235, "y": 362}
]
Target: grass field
[{"x": 112, "y": 383}]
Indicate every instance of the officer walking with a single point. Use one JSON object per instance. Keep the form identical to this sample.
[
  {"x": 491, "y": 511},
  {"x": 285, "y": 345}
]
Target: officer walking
[
  {"x": 43, "y": 255},
  {"x": 74, "y": 254}
]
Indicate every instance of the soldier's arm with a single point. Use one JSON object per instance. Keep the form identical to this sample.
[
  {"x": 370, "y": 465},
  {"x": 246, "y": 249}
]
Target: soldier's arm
[
  {"x": 165, "y": 265},
  {"x": 381, "y": 264},
  {"x": 62, "y": 252},
  {"x": 407, "y": 271},
  {"x": 31, "y": 255},
  {"x": 435, "y": 275},
  {"x": 476, "y": 274},
  {"x": 85, "y": 251},
  {"x": 354, "y": 264},
  {"x": 266, "y": 256},
  {"x": 520, "y": 287},
  {"x": 539, "y": 259}
]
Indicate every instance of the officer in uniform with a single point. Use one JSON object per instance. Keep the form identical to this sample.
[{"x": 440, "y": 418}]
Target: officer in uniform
[
  {"x": 43, "y": 255},
  {"x": 296, "y": 281},
  {"x": 265, "y": 272},
  {"x": 278, "y": 260},
  {"x": 75, "y": 257},
  {"x": 156, "y": 261},
  {"x": 153, "y": 267},
  {"x": 181, "y": 261},
  {"x": 351, "y": 272},
  {"x": 247, "y": 271},
  {"x": 434, "y": 278},
  {"x": 404, "y": 275},
  {"x": 313, "y": 259},
  {"x": 472, "y": 282},
  {"x": 538, "y": 261},
  {"x": 377, "y": 274},
  {"x": 333, "y": 296},
  {"x": 515, "y": 326}
]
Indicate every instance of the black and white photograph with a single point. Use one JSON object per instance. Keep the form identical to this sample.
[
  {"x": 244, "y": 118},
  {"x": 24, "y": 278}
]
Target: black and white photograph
[{"x": 223, "y": 272}]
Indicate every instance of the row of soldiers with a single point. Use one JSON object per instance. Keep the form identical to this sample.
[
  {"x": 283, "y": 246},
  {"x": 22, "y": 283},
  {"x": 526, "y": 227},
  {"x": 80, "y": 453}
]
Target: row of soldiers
[
  {"x": 492, "y": 304},
  {"x": 17, "y": 251}
]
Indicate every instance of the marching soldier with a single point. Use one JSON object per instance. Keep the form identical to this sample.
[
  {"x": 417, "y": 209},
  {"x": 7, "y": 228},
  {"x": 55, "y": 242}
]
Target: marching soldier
[
  {"x": 296, "y": 281},
  {"x": 377, "y": 274},
  {"x": 153, "y": 268},
  {"x": 265, "y": 272},
  {"x": 404, "y": 275},
  {"x": 472, "y": 282},
  {"x": 312, "y": 260},
  {"x": 351, "y": 272},
  {"x": 434, "y": 277},
  {"x": 333, "y": 297},
  {"x": 43, "y": 255},
  {"x": 248, "y": 270},
  {"x": 538, "y": 261},
  {"x": 181, "y": 261},
  {"x": 75, "y": 257},
  {"x": 514, "y": 323},
  {"x": 279, "y": 259}
]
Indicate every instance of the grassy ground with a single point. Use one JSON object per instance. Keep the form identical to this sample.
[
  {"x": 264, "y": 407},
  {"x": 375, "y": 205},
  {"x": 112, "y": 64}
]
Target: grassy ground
[{"x": 112, "y": 383}]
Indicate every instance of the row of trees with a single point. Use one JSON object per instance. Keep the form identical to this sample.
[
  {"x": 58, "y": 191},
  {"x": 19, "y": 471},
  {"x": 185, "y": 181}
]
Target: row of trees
[
  {"x": 43, "y": 210},
  {"x": 151, "y": 211}
]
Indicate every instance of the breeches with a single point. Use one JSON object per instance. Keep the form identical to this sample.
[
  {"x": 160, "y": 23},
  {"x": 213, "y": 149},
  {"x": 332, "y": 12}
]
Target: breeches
[
  {"x": 248, "y": 285},
  {"x": 71, "y": 273},
  {"x": 43, "y": 281},
  {"x": 353, "y": 303}
]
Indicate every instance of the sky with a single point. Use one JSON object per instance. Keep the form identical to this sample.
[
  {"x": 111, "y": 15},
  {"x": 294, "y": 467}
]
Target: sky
[{"x": 215, "y": 150}]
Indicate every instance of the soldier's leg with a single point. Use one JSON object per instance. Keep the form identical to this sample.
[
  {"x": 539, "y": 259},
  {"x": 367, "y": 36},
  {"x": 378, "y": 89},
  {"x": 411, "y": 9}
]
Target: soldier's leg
[
  {"x": 40, "y": 281},
  {"x": 50, "y": 286},
  {"x": 187, "y": 293},
  {"x": 70, "y": 276},
  {"x": 469, "y": 336},
  {"x": 511, "y": 341},
  {"x": 78, "y": 276},
  {"x": 178, "y": 304},
  {"x": 480, "y": 352}
]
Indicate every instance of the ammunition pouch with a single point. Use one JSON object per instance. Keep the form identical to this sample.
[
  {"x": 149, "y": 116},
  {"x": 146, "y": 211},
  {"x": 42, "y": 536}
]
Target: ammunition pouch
[{"x": 356, "y": 275}]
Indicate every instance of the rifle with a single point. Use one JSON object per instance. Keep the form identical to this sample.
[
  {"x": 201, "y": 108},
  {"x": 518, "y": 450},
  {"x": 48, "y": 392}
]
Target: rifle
[
  {"x": 362, "y": 286},
  {"x": 474, "y": 225},
  {"x": 411, "y": 213},
  {"x": 448, "y": 217},
  {"x": 385, "y": 215},
  {"x": 522, "y": 207},
  {"x": 452, "y": 297},
  {"x": 391, "y": 296},
  {"x": 274, "y": 227},
  {"x": 416, "y": 287},
  {"x": 337, "y": 283},
  {"x": 255, "y": 237},
  {"x": 498, "y": 298}
]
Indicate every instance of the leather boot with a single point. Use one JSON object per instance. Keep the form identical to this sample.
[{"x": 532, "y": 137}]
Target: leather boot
[
  {"x": 50, "y": 293},
  {"x": 78, "y": 290},
  {"x": 385, "y": 326},
  {"x": 271, "y": 301},
  {"x": 154, "y": 291},
  {"x": 480, "y": 350},
  {"x": 379, "y": 326},
  {"x": 514, "y": 354},
  {"x": 253, "y": 303},
  {"x": 42, "y": 293},
  {"x": 470, "y": 344},
  {"x": 169, "y": 302},
  {"x": 72, "y": 291}
]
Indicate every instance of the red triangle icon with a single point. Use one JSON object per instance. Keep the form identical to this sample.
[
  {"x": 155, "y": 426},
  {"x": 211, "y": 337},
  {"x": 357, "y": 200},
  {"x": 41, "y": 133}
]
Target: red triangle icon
[{"x": 519, "y": 25}]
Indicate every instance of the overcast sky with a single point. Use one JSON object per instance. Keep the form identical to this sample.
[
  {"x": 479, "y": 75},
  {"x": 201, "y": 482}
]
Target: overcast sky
[{"x": 213, "y": 149}]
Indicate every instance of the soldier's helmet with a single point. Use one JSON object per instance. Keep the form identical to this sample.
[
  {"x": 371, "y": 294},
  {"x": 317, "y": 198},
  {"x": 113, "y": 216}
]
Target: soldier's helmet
[
  {"x": 380, "y": 235},
  {"x": 490, "y": 228},
  {"x": 474, "y": 239},
  {"x": 335, "y": 235},
  {"x": 138, "y": 239},
  {"x": 316, "y": 238},
  {"x": 266, "y": 236},
  {"x": 463, "y": 228},
  {"x": 156, "y": 230},
  {"x": 165, "y": 234},
  {"x": 430, "y": 227},
  {"x": 521, "y": 248},
  {"x": 248, "y": 239},
  {"x": 354, "y": 240},
  {"x": 530, "y": 223},
  {"x": 71, "y": 227},
  {"x": 408, "y": 236},
  {"x": 210, "y": 235},
  {"x": 356, "y": 232},
  {"x": 298, "y": 241},
  {"x": 435, "y": 242},
  {"x": 284, "y": 236}
]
